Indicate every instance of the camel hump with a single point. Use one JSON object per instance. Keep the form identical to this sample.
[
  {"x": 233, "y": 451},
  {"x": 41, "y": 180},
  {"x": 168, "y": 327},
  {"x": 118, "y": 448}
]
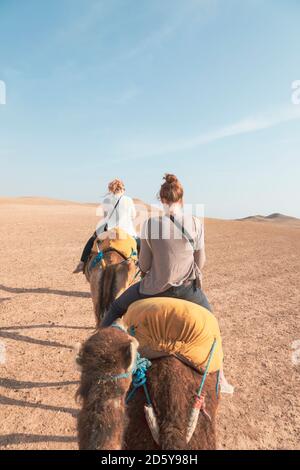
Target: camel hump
[{"x": 176, "y": 327}]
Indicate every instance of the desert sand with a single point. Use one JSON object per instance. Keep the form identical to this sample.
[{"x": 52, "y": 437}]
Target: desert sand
[{"x": 252, "y": 279}]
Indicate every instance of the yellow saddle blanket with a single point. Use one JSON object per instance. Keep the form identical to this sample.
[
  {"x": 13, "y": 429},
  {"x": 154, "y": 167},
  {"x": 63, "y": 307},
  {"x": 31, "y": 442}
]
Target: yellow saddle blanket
[
  {"x": 176, "y": 327},
  {"x": 116, "y": 239}
]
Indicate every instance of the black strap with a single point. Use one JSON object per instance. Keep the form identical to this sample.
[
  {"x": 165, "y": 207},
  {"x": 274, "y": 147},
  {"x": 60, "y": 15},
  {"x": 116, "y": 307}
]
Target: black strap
[
  {"x": 185, "y": 233},
  {"x": 110, "y": 215}
]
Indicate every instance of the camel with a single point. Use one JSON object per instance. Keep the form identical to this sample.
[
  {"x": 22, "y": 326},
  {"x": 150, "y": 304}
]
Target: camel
[
  {"x": 108, "y": 279},
  {"x": 106, "y": 423}
]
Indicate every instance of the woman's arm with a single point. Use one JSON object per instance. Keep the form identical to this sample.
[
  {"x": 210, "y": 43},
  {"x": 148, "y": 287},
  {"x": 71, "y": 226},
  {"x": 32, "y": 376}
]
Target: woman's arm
[
  {"x": 107, "y": 206},
  {"x": 200, "y": 258},
  {"x": 145, "y": 256},
  {"x": 199, "y": 253},
  {"x": 133, "y": 210}
]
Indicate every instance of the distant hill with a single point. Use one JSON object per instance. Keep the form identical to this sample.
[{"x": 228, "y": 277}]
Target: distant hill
[
  {"x": 45, "y": 201},
  {"x": 276, "y": 217},
  {"x": 41, "y": 201}
]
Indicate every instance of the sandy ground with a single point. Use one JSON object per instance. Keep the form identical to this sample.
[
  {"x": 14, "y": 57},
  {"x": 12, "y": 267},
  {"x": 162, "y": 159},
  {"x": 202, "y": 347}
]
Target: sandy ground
[{"x": 252, "y": 279}]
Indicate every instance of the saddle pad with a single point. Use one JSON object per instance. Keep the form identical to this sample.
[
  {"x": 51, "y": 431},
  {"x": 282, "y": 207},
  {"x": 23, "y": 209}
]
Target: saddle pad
[
  {"x": 116, "y": 239},
  {"x": 176, "y": 327}
]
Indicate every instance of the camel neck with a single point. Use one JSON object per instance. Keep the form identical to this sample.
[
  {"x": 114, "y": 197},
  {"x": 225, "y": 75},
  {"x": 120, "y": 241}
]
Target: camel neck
[{"x": 108, "y": 422}]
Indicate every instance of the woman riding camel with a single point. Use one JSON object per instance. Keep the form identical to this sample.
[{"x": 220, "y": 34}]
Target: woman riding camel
[
  {"x": 169, "y": 261},
  {"x": 171, "y": 258},
  {"x": 119, "y": 211}
]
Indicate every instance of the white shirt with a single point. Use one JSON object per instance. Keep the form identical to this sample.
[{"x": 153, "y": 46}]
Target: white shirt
[{"x": 123, "y": 216}]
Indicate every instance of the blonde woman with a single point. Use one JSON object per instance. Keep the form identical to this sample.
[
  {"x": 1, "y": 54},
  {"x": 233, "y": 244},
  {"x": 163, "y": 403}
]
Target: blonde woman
[{"x": 119, "y": 211}]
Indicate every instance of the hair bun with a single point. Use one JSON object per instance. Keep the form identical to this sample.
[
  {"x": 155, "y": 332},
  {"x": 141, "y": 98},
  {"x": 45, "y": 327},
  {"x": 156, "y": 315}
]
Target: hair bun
[
  {"x": 170, "y": 179},
  {"x": 116, "y": 186},
  {"x": 171, "y": 190}
]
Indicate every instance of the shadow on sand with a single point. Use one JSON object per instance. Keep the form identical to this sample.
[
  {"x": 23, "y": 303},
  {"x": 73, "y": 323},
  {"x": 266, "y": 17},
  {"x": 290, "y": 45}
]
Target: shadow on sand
[
  {"x": 24, "y": 404},
  {"x": 20, "y": 385},
  {"x": 46, "y": 325},
  {"x": 44, "y": 290},
  {"x": 11, "y": 439},
  {"x": 28, "y": 339}
]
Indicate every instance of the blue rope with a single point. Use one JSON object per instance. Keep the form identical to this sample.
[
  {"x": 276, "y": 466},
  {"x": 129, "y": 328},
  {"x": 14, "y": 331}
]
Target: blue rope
[
  {"x": 139, "y": 378},
  {"x": 97, "y": 259},
  {"x": 139, "y": 373},
  {"x": 218, "y": 383},
  {"x": 108, "y": 378},
  {"x": 131, "y": 330},
  {"x": 207, "y": 368},
  {"x": 119, "y": 327}
]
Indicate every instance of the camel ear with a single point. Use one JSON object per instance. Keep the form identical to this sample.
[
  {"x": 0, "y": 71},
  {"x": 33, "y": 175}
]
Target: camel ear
[{"x": 77, "y": 355}]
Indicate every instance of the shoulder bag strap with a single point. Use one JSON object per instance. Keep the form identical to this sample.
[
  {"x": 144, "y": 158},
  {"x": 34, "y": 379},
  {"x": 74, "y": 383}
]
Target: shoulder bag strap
[
  {"x": 185, "y": 233},
  {"x": 116, "y": 205}
]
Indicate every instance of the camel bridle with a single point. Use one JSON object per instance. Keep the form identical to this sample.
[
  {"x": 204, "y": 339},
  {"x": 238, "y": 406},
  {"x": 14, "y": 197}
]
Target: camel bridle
[{"x": 99, "y": 259}]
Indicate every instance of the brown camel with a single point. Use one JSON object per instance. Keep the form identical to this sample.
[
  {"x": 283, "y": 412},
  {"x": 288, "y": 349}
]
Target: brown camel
[
  {"x": 104, "y": 421},
  {"x": 108, "y": 279}
]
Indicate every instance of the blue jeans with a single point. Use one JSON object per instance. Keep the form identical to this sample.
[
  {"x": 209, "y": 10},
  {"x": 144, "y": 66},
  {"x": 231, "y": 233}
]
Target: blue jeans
[{"x": 132, "y": 294}]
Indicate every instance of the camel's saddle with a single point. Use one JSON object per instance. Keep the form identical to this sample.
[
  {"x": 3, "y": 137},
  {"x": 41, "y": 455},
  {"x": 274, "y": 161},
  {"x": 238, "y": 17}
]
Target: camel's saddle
[
  {"x": 116, "y": 240},
  {"x": 168, "y": 326}
]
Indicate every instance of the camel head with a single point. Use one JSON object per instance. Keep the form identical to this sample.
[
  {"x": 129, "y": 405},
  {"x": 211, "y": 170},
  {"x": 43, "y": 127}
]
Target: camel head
[
  {"x": 108, "y": 353},
  {"x": 106, "y": 361}
]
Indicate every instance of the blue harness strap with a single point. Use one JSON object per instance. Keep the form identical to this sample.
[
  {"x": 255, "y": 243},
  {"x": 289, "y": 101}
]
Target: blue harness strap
[
  {"x": 218, "y": 383},
  {"x": 199, "y": 392},
  {"x": 110, "y": 378},
  {"x": 139, "y": 375},
  {"x": 119, "y": 327},
  {"x": 97, "y": 260},
  {"x": 139, "y": 378}
]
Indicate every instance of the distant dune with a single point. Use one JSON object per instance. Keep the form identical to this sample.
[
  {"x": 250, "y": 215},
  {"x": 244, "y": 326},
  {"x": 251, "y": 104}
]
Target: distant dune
[
  {"x": 44, "y": 201},
  {"x": 274, "y": 218},
  {"x": 36, "y": 201}
]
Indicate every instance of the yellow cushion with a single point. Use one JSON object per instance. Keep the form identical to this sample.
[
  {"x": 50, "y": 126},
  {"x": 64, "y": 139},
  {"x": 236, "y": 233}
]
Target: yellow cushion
[
  {"x": 116, "y": 239},
  {"x": 176, "y": 327}
]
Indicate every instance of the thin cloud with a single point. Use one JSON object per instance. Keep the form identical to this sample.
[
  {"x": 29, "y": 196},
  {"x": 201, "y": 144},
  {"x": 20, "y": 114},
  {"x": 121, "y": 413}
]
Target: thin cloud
[
  {"x": 244, "y": 126},
  {"x": 154, "y": 39},
  {"x": 122, "y": 98},
  {"x": 94, "y": 13}
]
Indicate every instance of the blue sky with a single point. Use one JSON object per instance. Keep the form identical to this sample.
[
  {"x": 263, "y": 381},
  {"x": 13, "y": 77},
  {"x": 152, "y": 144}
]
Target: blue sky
[{"x": 98, "y": 89}]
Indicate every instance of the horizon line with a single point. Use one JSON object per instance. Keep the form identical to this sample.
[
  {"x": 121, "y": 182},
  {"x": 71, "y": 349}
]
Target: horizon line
[{"x": 96, "y": 204}]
